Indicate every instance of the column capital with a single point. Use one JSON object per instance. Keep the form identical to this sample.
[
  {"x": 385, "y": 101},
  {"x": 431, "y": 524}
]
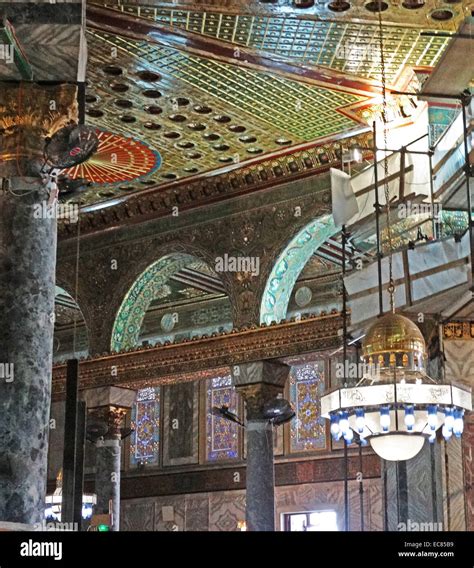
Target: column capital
[
  {"x": 256, "y": 396},
  {"x": 258, "y": 383},
  {"x": 112, "y": 416},
  {"x": 268, "y": 372},
  {"x": 109, "y": 405}
]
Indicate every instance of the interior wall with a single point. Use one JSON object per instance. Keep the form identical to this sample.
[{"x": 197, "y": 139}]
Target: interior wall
[
  {"x": 222, "y": 510},
  {"x": 459, "y": 368}
]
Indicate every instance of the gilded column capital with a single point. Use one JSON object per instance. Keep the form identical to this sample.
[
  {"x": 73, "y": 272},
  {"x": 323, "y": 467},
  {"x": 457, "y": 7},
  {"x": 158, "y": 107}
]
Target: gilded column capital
[
  {"x": 258, "y": 383},
  {"x": 112, "y": 416},
  {"x": 256, "y": 396}
]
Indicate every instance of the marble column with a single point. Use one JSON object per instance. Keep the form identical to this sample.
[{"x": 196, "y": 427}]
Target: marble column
[
  {"x": 108, "y": 406},
  {"x": 259, "y": 383},
  {"x": 27, "y": 279},
  {"x": 27, "y": 289},
  {"x": 108, "y": 462},
  {"x": 413, "y": 491}
]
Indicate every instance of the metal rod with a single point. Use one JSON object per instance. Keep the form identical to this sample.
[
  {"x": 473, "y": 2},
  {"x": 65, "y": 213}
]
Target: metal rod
[
  {"x": 405, "y": 150},
  {"x": 346, "y": 488},
  {"x": 377, "y": 219},
  {"x": 401, "y": 191},
  {"x": 344, "y": 300},
  {"x": 417, "y": 139},
  {"x": 69, "y": 453},
  {"x": 433, "y": 217},
  {"x": 361, "y": 487},
  {"x": 428, "y": 95},
  {"x": 79, "y": 465},
  {"x": 467, "y": 169}
]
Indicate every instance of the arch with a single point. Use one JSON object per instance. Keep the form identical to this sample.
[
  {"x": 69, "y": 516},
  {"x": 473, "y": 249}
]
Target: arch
[
  {"x": 148, "y": 287},
  {"x": 289, "y": 265}
]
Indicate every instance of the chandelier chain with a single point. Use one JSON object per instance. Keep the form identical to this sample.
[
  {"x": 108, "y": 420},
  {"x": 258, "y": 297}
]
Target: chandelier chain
[{"x": 391, "y": 287}]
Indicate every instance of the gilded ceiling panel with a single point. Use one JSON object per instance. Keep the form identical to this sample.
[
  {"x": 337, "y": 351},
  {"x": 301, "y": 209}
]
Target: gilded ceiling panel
[
  {"x": 348, "y": 46},
  {"x": 199, "y": 114}
]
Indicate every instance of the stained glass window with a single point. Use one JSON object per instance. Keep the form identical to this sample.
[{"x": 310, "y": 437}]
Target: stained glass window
[
  {"x": 222, "y": 436},
  {"x": 145, "y": 440},
  {"x": 307, "y": 429}
]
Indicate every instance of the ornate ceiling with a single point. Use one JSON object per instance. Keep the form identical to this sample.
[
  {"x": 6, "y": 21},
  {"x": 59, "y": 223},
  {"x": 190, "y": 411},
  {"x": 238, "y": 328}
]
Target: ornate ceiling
[{"x": 227, "y": 85}]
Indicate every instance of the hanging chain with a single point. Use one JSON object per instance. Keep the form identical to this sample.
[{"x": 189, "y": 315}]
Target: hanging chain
[{"x": 391, "y": 286}]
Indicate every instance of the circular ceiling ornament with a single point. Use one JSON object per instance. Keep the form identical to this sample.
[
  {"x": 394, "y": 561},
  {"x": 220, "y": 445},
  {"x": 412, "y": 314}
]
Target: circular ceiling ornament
[
  {"x": 168, "y": 322},
  {"x": 303, "y": 296},
  {"x": 116, "y": 160}
]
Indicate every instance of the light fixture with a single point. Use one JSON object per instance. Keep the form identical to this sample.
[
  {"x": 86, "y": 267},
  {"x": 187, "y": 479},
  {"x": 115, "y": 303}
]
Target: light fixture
[
  {"x": 54, "y": 502},
  {"x": 395, "y": 405}
]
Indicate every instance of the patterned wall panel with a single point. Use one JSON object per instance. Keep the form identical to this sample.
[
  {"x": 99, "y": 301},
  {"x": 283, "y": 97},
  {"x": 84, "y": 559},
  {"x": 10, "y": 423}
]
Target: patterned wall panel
[
  {"x": 197, "y": 513},
  {"x": 137, "y": 515},
  {"x": 222, "y": 436},
  {"x": 226, "y": 509},
  {"x": 468, "y": 445},
  {"x": 330, "y": 496},
  {"x": 459, "y": 352},
  {"x": 222, "y": 510},
  {"x": 170, "y": 513},
  {"x": 145, "y": 442},
  {"x": 308, "y": 428},
  {"x": 453, "y": 479},
  {"x": 180, "y": 424}
]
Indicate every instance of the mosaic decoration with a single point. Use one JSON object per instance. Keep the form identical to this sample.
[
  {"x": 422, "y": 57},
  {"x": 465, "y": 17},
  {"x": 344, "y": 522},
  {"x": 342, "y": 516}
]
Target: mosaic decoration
[
  {"x": 130, "y": 317},
  {"x": 145, "y": 440},
  {"x": 350, "y": 47},
  {"x": 458, "y": 330},
  {"x": 440, "y": 119},
  {"x": 307, "y": 429},
  {"x": 222, "y": 436},
  {"x": 289, "y": 265},
  {"x": 117, "y": 159}
]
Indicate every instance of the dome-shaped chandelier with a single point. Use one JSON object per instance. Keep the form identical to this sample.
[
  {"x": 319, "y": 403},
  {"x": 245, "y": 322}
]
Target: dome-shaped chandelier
[{"x": 396, "y": 405}]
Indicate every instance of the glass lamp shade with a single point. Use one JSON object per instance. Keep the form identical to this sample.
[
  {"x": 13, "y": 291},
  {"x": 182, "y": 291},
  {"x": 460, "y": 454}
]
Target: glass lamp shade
[{"x": 397, "y": 447}]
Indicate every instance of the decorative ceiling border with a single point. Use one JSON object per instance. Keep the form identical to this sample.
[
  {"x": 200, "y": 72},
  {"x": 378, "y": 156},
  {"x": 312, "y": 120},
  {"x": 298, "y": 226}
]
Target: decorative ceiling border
[
  {"x": 175, "y": 362},
  {"x": 255, "y": 175}
]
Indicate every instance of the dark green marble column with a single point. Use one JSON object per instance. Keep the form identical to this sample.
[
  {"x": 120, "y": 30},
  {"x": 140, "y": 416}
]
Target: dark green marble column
[
  {"x": 259, "y": 383},
  {"x": 413, "y": 492},
  {"x": 108, "y": 407},
  {"x": 27, "y": 285}
]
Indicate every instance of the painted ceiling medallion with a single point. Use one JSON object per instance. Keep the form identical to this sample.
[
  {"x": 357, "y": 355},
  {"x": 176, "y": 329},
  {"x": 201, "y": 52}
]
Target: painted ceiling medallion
[{"x": 118, "y": 159}]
